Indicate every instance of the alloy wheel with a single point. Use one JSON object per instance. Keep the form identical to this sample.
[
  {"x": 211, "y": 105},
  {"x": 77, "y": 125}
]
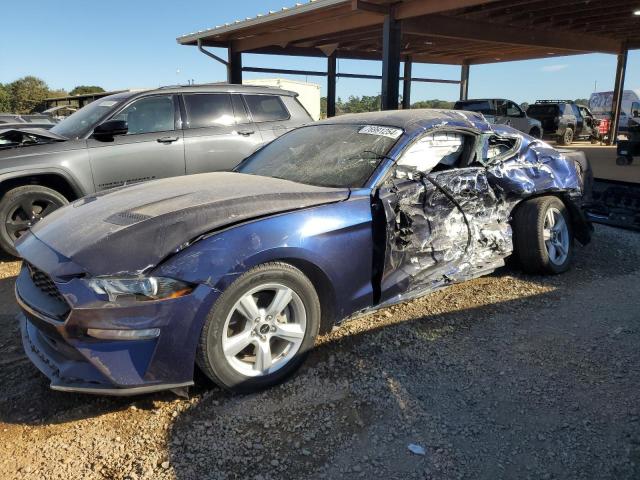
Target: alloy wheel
[
  {"x": 264, "y": 330},
  {"x": 556, "y": 236},
  {"x": 26, "y": 212}
]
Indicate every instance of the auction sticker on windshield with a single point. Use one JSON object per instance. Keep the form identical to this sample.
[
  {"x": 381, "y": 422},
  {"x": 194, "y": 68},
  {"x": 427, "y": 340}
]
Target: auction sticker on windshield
[{"x": 389, "y": 132}]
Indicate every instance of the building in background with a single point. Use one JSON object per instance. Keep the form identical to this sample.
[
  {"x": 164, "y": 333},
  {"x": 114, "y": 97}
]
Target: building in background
[{"x": 308, "y": 93}]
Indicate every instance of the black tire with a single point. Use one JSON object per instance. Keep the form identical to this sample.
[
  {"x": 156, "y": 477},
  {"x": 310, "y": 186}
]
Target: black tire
[
  {"x": 566, "y": 138},
  {"x": 623, "y": 161},
  {"x": 14, "y": 217},
  {"x": 210, "y": 356},
  {"x": 530, "y": 248},
  {"x": 535, "y": 133}
]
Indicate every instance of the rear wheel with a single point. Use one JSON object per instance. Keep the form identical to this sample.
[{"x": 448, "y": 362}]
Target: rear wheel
[
  {"x": 567, "y": 137},
  {"x": 23, "y": 207},
  {"x": 543, "y": 239},
  {"x": 622, "y": 160},
  {"x": 260, "y": 329}
]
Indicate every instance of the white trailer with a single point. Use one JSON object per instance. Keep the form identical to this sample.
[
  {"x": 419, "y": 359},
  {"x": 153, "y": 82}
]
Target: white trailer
[{"x": 601, "y": 105}]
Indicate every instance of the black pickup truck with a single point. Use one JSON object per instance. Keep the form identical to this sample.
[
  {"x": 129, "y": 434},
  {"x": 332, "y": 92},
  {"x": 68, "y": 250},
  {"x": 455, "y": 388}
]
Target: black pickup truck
[{"x": 564, "y": 120}]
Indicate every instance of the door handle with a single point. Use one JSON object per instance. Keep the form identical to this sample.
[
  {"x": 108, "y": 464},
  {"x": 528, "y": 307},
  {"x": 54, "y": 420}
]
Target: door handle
[
  {"x": 168, "y": 139},
  {"x": 246, "y": 133}
]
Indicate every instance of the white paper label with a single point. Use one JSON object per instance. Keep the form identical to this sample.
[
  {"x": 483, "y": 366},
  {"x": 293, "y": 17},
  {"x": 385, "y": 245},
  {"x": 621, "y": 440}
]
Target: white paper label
[
  {"x": 389, "y": 132},
  {"x": 108, "y": 103}
]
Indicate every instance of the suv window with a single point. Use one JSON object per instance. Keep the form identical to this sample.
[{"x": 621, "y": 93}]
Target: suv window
[
  {"x": 150, "y": 114},
  {"x": 209, "y": 110},
  {"x": 266, "y": 108}
]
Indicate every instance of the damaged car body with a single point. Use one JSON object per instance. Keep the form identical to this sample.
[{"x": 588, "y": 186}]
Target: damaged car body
[{"x": 126, "y": 291}]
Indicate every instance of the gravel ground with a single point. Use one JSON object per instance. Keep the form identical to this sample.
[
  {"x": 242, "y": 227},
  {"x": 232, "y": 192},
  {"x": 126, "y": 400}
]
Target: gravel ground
[{"x": 508, "y": 376}]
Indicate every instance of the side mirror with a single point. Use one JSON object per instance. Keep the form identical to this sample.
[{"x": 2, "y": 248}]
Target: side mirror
[{"x": 110, "y": 129}]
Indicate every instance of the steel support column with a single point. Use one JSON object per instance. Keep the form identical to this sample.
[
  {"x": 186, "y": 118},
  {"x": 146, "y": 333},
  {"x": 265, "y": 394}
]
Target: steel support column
[
  {"x": 618, "y": 89},
  {"x": 234, "y": 67},
  {"x": 406, "y": 84},
  {"x": 331, "y": 85},
  {"x": 464, "y": 81},
  {"x": 391, "y": 36}
]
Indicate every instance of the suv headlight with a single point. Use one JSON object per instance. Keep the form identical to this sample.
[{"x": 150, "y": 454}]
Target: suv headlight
[{"x": 140, "y": 288}]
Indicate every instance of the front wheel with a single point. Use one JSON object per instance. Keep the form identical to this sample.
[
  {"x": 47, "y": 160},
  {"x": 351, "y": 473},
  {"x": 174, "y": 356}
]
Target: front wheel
[
  {"x": 23, "y": 207},
  {"x": 623, "y": 161},
  {"x": 260, "y": 329},
  {"x": 542, "y": 236}
]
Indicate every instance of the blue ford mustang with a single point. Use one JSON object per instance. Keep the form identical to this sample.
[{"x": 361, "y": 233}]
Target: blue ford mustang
[{"x": 127, "y": 291}]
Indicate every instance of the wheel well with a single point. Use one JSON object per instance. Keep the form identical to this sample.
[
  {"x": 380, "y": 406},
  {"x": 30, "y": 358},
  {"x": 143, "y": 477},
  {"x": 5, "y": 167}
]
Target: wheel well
[
  {"x": 323, "y": 287},
  {"x": 49, "y": 180},
  {"x": 534, "y": 129}
]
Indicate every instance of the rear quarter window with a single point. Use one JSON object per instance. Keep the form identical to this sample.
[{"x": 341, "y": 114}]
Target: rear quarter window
[{"x": 266, "y": 108}]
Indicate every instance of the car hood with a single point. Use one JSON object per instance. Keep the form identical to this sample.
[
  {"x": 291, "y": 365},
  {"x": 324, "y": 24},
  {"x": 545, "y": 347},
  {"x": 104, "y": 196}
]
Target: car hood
[{"x": 132, "y": 229}]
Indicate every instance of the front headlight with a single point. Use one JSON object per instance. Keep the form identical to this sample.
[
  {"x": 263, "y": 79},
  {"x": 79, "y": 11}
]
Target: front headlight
[{"x": 140, "y": 288}]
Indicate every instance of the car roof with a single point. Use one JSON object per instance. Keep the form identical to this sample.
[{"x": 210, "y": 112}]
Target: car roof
[
  {"x": 409, "y": 120},
  {"x": 207, "y": 88}
]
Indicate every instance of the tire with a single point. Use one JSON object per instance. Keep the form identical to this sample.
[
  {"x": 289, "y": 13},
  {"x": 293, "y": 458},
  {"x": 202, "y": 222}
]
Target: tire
[
  {"x": 536, "y": 254},
  {"x": 242, "y": 372},
  {"x": 535, "y": 133},
  {"x": 15, "y": 217},
  {"x": 623, "y": 161},
  {"x": 566, "y": 138}
]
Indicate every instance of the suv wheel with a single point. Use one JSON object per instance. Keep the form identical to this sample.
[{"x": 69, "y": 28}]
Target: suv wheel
[
  {"x": 567, "y": 138},
  {"x": 23, "y": 207},
  {"x": 535, "y": 133},
  {"x": 260, "y": 329}
]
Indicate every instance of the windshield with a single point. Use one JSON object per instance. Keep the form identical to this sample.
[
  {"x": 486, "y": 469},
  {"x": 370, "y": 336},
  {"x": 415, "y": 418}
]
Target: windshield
[
  {"x": 482, "y": 106},
  {"x": 324, "y": 155},
  {"x": 77, "y": 124}
]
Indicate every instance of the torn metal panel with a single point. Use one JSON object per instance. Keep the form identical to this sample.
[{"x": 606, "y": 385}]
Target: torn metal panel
[
  {"x": 536, "y": 168},
  {"x": 446, "y": 228}
]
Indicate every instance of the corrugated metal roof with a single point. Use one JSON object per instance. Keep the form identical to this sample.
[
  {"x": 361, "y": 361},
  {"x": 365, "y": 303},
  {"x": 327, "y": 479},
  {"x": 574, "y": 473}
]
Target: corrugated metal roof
[{"x": 259, "y": 19}]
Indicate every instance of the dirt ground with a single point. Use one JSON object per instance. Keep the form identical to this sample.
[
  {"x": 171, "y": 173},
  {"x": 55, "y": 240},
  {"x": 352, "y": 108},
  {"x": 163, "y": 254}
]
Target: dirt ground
[{"x": 508, "y": 376}]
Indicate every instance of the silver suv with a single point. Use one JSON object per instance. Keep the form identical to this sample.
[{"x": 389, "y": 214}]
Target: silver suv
[
  {"x": 133, "y": 137},
  {"x": 502, "y": 111}
]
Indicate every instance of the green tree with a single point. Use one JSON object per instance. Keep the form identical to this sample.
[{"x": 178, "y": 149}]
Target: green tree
[
  {"x": 5, "y": 104},
  {"x": 433, "y": 104},
  {"x": 583, "y": 101},
  {"x": 26, "y": 93},
  {"x": 85, "y": 89}
]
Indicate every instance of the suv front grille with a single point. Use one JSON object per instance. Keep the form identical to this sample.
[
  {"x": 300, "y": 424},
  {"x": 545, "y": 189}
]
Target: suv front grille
[{"x": 45, "y": 284}]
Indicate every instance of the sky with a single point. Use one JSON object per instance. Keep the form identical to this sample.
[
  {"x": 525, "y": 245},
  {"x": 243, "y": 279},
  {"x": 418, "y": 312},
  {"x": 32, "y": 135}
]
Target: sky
[{"x": 132, "y": 44}]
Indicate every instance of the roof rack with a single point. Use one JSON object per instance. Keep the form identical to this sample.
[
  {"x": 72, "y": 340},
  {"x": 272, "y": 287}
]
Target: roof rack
[
  {"x": 191, "y": 85},
  {"x": 554, "y": 101}
]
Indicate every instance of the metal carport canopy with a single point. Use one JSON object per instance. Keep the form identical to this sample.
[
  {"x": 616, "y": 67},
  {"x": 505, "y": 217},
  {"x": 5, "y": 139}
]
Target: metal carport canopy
[{"x": 457, "y": 32}]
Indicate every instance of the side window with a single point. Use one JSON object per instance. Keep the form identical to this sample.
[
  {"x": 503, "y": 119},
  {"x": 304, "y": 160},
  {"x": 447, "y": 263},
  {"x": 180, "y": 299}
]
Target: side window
[
  {"x": 208, "y": 110},
  {"x": 576, "y": 110},
  {"x": 494, "y": 146},
  {"x": 266, "y": 108},
  {"x": 513, "y": 110},
  {"x": 501, "y": 108},
  {"x": 441, "y": 150},
  {"x": 150, "y": 114}
]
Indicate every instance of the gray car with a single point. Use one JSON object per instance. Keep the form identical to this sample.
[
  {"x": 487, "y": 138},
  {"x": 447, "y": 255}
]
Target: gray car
[
  {"x": 133, "y": 137},
  {"x": 503, "y": 112}
]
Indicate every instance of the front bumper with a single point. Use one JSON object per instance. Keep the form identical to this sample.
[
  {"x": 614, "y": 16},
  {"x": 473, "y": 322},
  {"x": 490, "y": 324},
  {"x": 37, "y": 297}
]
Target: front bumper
[{"x": 76, "y": 362}]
